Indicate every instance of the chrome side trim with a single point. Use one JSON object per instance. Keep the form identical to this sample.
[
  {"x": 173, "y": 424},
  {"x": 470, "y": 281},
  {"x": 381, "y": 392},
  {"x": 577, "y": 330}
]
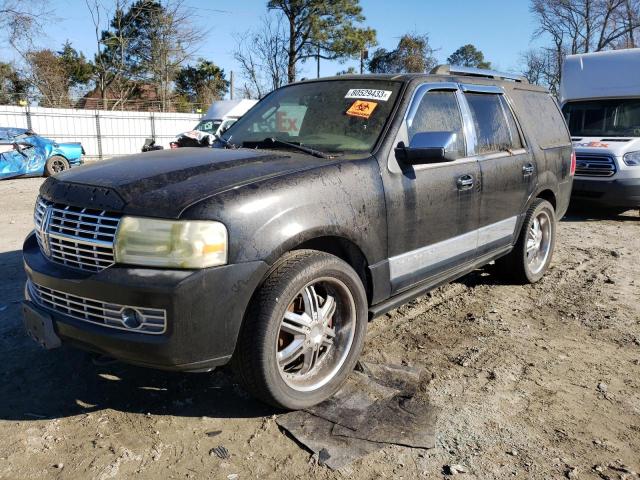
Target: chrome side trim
[
  {"x": 428, "y": 256},
  {"x": 497, "y": 231}
]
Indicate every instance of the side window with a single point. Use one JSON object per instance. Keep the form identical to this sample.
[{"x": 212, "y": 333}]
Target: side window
[
  {"x": 495, "y": 126},
  {"x": 516, "y": 142},
  {"x": 438, "y": 112}
]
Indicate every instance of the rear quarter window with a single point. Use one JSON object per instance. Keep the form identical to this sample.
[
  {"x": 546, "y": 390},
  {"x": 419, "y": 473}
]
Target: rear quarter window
[{"x": 541, "y": 117}]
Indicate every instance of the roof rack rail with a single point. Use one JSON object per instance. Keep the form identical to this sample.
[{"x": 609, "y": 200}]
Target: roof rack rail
[{"x": 477, "y": 72}]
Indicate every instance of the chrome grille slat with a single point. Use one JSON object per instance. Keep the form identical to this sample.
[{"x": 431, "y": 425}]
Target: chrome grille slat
[
  {"x": 595, "y": 165},
  {"x": 86, "y": 241},
  {"x": 77, "y": 237},
  {"x": 80, "y": 222},
  {"x": 83, "y": 257},
  {"x": 54, "y": 226},
  {"x": 80, "y": 249},
  {"x": 154, "y": 320}
]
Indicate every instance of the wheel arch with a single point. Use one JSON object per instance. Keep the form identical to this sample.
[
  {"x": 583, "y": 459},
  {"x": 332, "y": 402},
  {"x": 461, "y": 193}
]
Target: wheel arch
[
  {"x": 56, "y": 154},
  {"x": 346, "y": 250},
  {"x": 548, "y": 195},
  {"x": 334, "y": 242}
]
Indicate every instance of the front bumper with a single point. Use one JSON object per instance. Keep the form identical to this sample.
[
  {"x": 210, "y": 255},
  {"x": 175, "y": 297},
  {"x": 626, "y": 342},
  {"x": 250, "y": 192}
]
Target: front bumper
[
  {"x": 624, "y": 192},
  {"x": 204, "y": 309}
]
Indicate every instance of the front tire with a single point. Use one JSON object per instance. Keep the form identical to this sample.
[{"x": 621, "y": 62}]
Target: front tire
[
  {"x": 531, "y": 256},
  {"x": 55, "y": 164},
  {"x": 303, "y": 332}
]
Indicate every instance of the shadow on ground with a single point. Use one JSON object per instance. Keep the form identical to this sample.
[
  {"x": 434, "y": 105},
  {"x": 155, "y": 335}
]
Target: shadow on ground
[
  {"x": 39, "y": 384},
  {"x": 582, "y": 213}
]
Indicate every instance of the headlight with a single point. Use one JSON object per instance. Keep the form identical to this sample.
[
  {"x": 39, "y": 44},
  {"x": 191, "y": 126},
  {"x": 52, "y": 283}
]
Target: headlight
[
  {"x": 171, "y": 243},
  {"x": 632, "y": 159}
]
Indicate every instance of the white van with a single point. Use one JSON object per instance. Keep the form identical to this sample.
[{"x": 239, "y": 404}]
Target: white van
[
  {"x": 600, "y": 97},
  {"x": 222, "y": 114}
]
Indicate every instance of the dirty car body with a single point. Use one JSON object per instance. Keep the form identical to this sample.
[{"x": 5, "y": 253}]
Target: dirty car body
[
  {"x": 30, "y": 152},
  {"x": 320, "y": 176}
]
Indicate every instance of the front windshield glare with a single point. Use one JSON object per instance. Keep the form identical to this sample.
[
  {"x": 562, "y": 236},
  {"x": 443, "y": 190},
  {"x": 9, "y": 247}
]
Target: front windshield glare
[
  {"x": 208, "y": 126},
  {"x": 599, "y": 118},
  {"x": 343, "y": 116}
]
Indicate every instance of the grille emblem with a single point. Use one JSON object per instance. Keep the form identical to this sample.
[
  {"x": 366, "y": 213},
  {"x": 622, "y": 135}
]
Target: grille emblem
[{"x": 43, "y": 231}]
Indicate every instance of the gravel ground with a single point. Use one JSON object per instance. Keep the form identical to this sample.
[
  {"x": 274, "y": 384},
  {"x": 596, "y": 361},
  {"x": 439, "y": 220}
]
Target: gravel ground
[{"x": 537, "y": 381}]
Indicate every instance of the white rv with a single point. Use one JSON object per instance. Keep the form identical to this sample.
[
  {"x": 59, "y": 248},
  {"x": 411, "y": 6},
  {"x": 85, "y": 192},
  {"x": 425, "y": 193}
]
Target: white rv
[{"x": 600, "y": 96}]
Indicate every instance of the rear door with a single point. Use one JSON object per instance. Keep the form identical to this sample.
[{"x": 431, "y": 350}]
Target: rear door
[
  {"x": 432, "y": 209},
  {"x": 508, "y": 172}
]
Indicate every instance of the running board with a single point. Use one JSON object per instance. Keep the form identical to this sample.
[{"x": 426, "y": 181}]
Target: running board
[{"x": 447, "y": 277}]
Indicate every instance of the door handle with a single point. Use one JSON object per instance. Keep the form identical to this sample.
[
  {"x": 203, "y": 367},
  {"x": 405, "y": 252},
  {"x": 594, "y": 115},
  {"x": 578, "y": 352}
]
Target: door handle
[
  {"x": 465, "y": 182},
  {"x": 528, "y": 169}
]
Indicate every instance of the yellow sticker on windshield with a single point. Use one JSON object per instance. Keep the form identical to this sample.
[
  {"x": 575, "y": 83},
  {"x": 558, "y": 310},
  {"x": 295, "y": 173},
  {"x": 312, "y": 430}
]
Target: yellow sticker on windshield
[{"x": 362, "y": 109}]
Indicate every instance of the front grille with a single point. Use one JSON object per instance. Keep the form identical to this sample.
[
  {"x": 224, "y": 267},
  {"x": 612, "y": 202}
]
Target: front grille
[
  {"x": 152, "y": 320},
  {"x": 78, "y": 237},
  {"x": 595, "y": 165}
]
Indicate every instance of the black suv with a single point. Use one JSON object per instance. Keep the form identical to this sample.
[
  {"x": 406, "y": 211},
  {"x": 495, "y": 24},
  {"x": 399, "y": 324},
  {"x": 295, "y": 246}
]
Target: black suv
[{"x": 329, "y": 203}]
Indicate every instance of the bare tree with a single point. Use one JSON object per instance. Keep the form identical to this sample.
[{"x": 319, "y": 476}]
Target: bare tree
[
  {"x": 166, "y": 39},
  {"x": 20, "y": 20},
  {"x": 262, "y": 55},
  {"x": 111, "y": 68},
  {"x": 141, "y": 44},
  {"x": 584, "y": 26},
  {"x": 48, "y": 75},
  {"x": 579, "y": 26},
  {"x": 540, "y": 67}
]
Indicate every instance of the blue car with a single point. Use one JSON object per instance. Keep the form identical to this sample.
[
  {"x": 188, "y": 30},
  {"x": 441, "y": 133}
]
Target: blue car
[{"x": 23, "y": 153}]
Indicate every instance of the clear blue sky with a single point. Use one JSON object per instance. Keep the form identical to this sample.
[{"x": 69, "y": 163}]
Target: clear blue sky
[{"x": 502, "y": 29}]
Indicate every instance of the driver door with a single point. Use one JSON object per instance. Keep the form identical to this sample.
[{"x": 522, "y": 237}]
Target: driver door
[{"x": 432, "y": 209}]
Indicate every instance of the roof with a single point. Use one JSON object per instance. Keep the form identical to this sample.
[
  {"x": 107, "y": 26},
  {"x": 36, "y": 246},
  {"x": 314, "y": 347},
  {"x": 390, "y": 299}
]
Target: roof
[{"x": 610, "y": 74}]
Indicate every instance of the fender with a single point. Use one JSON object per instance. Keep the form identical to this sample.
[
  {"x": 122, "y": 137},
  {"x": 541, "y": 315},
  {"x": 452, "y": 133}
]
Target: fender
[{"x": 278, "y": 214}]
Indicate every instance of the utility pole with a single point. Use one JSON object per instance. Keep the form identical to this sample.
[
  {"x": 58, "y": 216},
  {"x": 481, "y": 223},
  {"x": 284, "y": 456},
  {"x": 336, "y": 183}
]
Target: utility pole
[
  {"x": 364, "y": 55},
  {"x": 231, "y": 85},
  {"x": 318, "y": 63}
]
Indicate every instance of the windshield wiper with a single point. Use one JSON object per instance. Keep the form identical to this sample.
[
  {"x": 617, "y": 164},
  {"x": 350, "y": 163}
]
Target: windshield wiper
[{"x": 310, "y": 151}]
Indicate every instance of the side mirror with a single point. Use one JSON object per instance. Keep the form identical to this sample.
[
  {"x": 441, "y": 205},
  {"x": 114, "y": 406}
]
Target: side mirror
[{"x": 427, "y": 147}]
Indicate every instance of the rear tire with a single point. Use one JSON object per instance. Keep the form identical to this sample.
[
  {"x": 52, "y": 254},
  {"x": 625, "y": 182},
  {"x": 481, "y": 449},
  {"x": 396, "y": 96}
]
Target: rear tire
[
  {"x": 55, "y": 164},
  {"x": 303, "y": 332},
  {"x": 531, "y": 256}
]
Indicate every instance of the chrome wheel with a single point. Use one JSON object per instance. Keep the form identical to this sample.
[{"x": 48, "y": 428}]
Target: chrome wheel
[
  {"x": 539, "y": 242},
  {"x": 316, "y": 334}
]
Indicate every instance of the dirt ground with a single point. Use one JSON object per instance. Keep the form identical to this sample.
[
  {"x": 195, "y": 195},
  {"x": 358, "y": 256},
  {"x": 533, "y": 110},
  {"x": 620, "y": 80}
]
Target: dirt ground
[{"x": 539, "y": 381}]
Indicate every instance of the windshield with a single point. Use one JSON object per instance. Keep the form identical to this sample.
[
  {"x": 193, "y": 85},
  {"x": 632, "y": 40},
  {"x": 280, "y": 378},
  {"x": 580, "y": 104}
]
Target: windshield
[
  {"x": 343, "y": 116},
  {"x": 603, "y": 118},
  {"x": 208, "y": 126}
]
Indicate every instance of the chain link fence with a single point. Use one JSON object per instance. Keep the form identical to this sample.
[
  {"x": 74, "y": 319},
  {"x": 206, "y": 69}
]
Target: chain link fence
[{"x": 103, "y": 133}]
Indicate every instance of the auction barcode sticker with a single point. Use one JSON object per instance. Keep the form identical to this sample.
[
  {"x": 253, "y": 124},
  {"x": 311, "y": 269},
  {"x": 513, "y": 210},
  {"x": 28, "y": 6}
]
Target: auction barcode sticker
[{"x": 382, "y": 95}]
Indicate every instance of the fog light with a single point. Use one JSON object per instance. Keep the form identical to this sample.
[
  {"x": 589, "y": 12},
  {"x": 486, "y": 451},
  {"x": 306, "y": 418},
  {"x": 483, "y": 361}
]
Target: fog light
[{"x": 131, "y": 318}]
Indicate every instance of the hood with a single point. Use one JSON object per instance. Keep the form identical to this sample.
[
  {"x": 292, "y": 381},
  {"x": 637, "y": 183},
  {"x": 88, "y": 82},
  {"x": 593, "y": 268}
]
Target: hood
[
  {"x": 616, "y": 146},
  {"x": 164, "y": 183}
]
